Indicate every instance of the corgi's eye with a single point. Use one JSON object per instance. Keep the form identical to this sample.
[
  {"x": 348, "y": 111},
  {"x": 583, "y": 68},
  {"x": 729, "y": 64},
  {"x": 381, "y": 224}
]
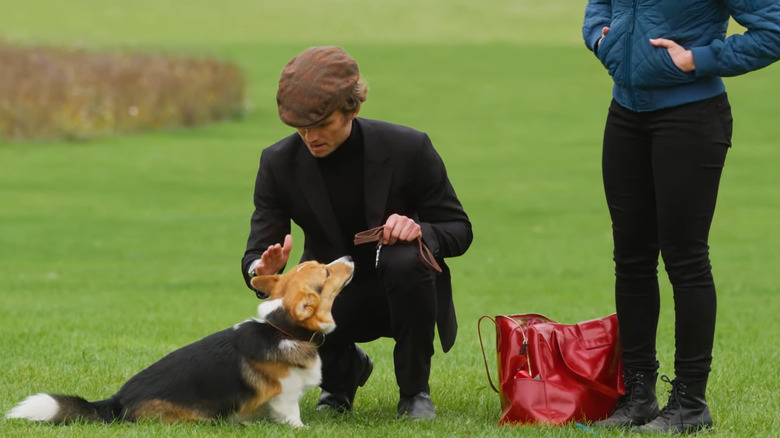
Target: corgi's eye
[{"x": 327, "y": 273}]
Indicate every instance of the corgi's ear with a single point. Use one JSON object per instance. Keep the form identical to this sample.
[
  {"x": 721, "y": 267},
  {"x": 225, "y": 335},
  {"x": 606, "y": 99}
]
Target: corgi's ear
[
  {"x": 265, "y": 283},
  {"x": 306, "y": 306}
]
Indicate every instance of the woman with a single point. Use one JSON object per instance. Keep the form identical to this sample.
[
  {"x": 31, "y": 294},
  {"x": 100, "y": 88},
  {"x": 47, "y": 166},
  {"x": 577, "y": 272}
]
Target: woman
[{"x": 665, "y": 142}]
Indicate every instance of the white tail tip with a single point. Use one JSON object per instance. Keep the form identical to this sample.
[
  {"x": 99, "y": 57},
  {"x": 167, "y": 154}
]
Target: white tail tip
[{"x": 38, "y": 407}]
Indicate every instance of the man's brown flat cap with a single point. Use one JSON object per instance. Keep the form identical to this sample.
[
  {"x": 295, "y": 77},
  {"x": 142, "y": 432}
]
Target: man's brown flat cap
[{"x": 314, "y": 84}]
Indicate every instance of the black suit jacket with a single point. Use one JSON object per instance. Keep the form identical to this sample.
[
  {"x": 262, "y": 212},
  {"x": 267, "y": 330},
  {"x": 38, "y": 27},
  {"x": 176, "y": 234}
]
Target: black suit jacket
[{"x": 403, "y": 174}]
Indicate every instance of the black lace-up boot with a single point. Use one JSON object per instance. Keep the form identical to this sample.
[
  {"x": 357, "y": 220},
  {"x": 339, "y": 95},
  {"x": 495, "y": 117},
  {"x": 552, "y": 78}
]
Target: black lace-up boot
[
  {"x": 638, "y": 405},
  {"x": 685, "y": 412}
]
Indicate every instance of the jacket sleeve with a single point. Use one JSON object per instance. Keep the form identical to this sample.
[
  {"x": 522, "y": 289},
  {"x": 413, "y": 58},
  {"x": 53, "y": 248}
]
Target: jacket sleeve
[
  {"x": 269, "y": 223},
  {"x": 758, "y": 47},
  {"x": 445, "y": 226},
  {"x": 598, "y": 14}
]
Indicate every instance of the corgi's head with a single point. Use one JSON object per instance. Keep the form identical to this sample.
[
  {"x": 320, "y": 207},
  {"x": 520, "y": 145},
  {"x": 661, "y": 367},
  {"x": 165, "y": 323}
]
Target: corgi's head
[{"x": 307, "y": 291}]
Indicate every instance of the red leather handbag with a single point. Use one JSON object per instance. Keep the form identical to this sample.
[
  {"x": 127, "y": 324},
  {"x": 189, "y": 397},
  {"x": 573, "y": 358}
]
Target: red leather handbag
[{"x": 555, "y": 373}]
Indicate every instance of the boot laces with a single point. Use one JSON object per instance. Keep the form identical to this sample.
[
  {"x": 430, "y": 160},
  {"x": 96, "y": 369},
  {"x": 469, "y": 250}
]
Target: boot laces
[
  {"x": 632, "y": 383},
  {"x": 673, "y": 404}
]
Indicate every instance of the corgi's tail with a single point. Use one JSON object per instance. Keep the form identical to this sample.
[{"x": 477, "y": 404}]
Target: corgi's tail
[{"x": 55, "y": 408}]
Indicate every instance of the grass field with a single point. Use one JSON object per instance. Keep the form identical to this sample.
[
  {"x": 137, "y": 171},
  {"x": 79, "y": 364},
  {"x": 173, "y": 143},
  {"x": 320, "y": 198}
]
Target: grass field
[{"x": 116, "y": 251}]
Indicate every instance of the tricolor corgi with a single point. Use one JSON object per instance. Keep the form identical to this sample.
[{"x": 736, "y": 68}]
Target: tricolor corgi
[{"x": 259, "y": 368}]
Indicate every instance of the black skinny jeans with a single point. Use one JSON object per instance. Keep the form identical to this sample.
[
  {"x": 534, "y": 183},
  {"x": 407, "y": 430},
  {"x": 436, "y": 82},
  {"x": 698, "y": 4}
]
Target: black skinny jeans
[{"x": 661, "y": 173}]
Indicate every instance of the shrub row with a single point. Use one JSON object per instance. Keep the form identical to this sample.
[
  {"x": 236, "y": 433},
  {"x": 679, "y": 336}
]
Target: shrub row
[{"x": 55, "y": 93}]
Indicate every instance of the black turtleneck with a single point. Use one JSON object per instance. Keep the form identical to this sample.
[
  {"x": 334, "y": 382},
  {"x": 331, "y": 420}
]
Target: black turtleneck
[{"x": 342, "y": 171}]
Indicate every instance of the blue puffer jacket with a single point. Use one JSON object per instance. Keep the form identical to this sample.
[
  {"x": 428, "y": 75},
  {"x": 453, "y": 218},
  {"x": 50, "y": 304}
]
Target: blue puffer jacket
[{"x": 645, "y": 77}]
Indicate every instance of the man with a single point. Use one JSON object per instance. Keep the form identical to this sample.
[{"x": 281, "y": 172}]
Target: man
[{"x": 338, "y": 176}]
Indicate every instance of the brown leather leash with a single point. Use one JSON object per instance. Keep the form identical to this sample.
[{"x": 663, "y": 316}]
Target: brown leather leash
[{"x": 375, "y": 235}]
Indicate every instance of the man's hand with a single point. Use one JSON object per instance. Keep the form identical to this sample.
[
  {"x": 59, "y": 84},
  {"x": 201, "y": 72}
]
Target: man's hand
[
  {"x": 401, "y": 228},
  {"x": 274, "y": 258},
  {"x": 682, "y": 58}
]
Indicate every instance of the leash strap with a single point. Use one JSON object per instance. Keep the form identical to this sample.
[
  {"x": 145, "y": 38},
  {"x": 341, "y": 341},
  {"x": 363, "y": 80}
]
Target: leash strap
[{"x": 375, "y": 235}]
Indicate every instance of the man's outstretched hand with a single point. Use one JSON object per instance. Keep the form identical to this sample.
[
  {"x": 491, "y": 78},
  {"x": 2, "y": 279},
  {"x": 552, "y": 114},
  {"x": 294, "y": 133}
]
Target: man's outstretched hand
[{"x": 275, "y": 257}]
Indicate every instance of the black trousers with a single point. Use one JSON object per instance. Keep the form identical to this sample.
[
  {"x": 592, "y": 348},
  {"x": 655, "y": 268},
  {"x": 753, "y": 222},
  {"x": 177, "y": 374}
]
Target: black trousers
[
  {"x": 661, "y": 173},
  {"x": 397, "y": 299}
]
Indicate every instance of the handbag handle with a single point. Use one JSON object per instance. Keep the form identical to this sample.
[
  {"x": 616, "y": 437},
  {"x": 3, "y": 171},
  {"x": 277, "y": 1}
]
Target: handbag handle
[{"x": 484, "y": 358}]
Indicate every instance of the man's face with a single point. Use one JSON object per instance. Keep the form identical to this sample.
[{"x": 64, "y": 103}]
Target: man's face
[{"x": 322, "y": 139}]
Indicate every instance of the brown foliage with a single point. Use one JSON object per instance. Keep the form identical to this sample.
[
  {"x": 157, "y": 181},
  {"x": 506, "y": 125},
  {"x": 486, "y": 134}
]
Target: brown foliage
[{"x": 49, "y": 93}]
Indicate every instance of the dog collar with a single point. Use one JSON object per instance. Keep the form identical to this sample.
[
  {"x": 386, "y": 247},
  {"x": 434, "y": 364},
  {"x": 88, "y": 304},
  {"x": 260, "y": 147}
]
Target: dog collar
[{"x": 281, "y": 321}]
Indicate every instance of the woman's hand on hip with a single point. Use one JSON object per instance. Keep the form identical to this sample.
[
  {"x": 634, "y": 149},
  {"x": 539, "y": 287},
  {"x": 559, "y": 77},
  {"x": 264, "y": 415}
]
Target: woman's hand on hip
[
  {"x": 681, "y": 57},
  {"x": 604, "y": 31}
]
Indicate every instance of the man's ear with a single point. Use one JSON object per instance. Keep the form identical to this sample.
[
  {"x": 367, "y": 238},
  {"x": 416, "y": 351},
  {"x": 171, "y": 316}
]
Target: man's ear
[
  {"x": 306, "y": 306},
  {"x": 351, "y": 116},
  {"x": 265, "y": 283}
]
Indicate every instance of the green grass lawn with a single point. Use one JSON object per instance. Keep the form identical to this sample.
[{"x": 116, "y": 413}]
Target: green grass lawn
[{"x": 116, "y": 251}]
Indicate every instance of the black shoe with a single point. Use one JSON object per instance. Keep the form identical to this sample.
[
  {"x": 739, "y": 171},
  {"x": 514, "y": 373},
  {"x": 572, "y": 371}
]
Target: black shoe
[
  {"x": 338, "y": 402},
  {"x": 638, "y": 405},
  {"x": 419, "y": 407},
  {"x": 685, "y": 412},
  {"x": 341, "y": 401}
]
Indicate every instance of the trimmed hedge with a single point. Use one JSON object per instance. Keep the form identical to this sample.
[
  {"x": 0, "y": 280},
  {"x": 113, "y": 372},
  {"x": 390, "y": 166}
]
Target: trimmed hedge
[{"x": 56, "y": 93}]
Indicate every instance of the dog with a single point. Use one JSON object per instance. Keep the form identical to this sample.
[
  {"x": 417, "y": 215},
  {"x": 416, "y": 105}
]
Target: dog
[{"x": 259, "y": 368}]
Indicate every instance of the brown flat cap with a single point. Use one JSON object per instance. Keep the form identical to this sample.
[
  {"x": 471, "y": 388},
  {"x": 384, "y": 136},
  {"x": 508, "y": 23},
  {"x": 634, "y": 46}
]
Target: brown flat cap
[{"x": 314, "y": 84}]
